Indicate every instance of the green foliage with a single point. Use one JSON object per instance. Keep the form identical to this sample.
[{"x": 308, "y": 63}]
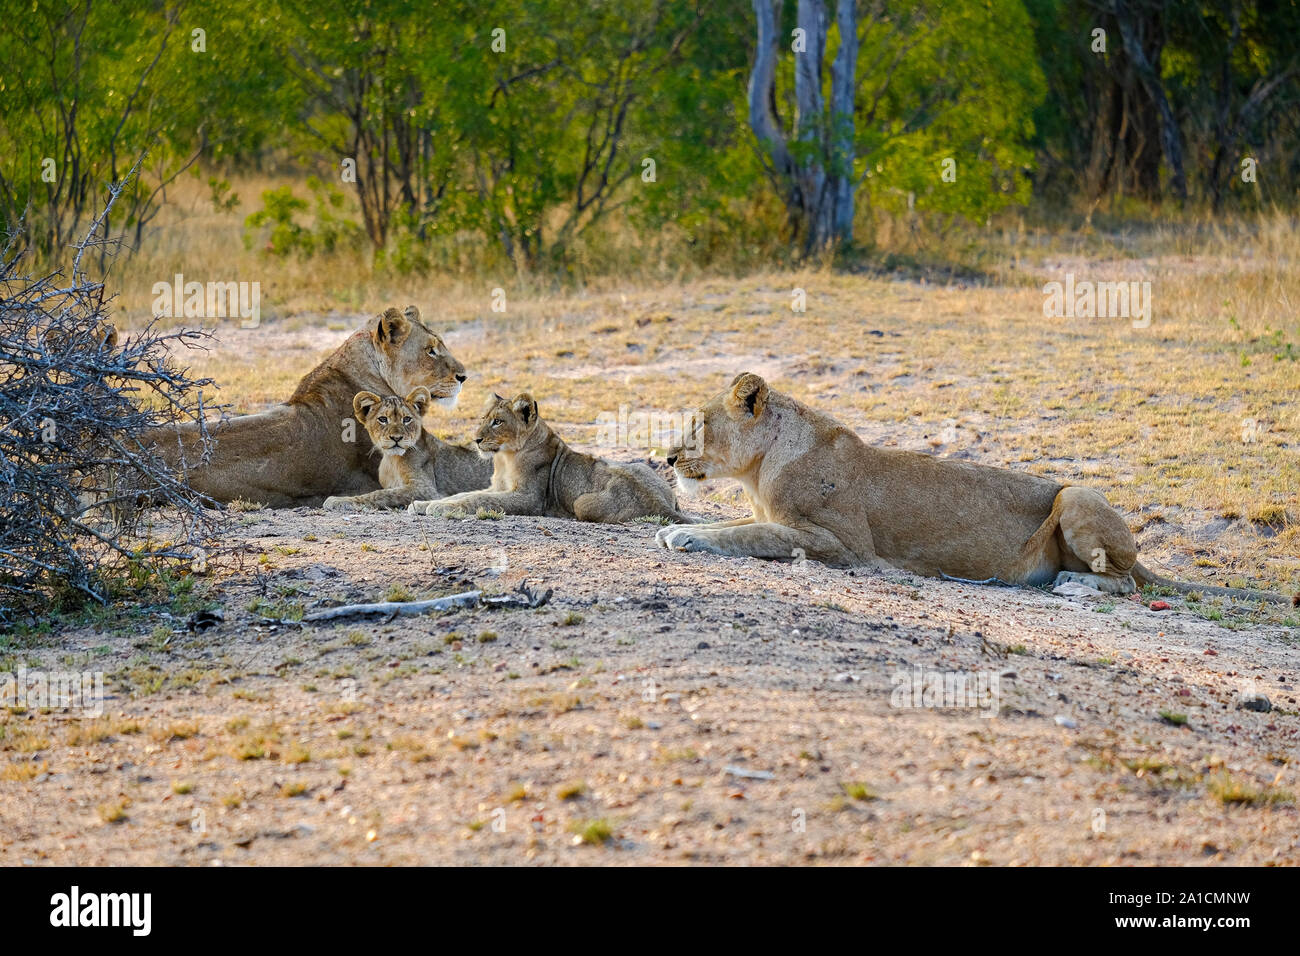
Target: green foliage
[
  {"x": 505, "y": 130},
  {"x": 955, "y": 82},
  {"x": 90, "y": 88},
  {"x": 278, "y": 209},
  {"x": 223, "y": 200},
  {"x": 273, "y": 225}
]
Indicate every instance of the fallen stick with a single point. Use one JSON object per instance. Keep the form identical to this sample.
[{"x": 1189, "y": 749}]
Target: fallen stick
[
  {"x": 466, "y": 599},
  {"x": 527, "y": 598},
  {"x": 748, "y": 774},
  {"x": 997, "y": 581}
]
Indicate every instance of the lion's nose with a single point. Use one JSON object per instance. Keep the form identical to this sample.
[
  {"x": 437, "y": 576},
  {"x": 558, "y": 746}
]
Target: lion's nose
[
  {"x": 672, "y": 460},
  {"x": 461, "y": 378}
]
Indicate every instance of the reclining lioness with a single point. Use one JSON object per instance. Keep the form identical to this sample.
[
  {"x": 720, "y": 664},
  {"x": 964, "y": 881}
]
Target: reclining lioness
[
  {"x": 298, "y": 453},
  {"x": 818, "y": 491},
  {"x": 415, "y": 464},
  {"x": 535, "y": 473}
]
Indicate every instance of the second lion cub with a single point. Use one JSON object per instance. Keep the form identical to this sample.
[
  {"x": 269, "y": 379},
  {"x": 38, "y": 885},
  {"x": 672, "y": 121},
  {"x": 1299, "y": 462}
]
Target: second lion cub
[{"x": 535, "y": 473}]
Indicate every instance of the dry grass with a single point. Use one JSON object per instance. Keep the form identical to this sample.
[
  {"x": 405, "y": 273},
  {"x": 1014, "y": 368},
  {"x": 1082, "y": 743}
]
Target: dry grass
[
  {"x": 114, "y": 811},
  {"x": 191, "y": 237},
  {"x": 86, "y": 732},
  {"x": 1232, "y": 790},
  {"x": 22, "y": 771}
]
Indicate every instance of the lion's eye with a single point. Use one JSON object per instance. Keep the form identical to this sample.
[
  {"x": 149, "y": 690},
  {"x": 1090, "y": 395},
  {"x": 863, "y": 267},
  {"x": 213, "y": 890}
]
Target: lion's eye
[
  {"x": 433, "y": 353},
  {"x": 383, "y": 419},
  {"x": 406, "y": 420},
  {"x": 496, "y": 423}
]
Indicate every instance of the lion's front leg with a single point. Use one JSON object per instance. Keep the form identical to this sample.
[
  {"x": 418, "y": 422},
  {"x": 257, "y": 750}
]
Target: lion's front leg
[
  {"x": 383, "y": 498},
  {"x": 662, "y": 534},
  {"x": 731, "y": 523},
  {"x": 758, "y": 539},
  {"x": 469, "y": 502}
]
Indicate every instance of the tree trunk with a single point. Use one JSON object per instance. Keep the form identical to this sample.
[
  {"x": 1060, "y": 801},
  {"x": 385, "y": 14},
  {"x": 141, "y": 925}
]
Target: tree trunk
[
  {"x": 762, "y": 102},
  {"x": 843, "y": 86},
  {"x": 1132, "y": 33},
  {"x": 1105, "y": 140},
  {"x": 814, "y": 180},
  {"x": 810, "y": 126}
]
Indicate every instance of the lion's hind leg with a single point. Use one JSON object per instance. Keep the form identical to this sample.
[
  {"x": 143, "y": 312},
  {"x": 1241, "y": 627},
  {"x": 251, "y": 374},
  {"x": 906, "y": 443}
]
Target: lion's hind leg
[
  {"x": 607, "y": 506},
  {"x": 1097, "y": 547},
  {"x": 603, "y": 507},
  {"x": 1039, "y": 560}
]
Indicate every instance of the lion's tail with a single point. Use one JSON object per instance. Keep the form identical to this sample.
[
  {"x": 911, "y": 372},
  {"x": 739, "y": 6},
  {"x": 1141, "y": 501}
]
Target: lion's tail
[{"x": 1145, "y": 576}]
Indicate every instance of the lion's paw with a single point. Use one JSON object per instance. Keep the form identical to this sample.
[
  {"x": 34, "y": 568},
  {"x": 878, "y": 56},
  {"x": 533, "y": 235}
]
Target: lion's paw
[
  {"x": 661, "y": 536},
  {"x": 683, "y": 537},
  {"x": 339, "y": 503}
]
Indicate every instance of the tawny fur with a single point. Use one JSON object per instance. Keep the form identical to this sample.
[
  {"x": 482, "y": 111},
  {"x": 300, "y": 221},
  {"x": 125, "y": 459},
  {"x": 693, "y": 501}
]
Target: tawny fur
[
  {"x": 817, "y": 491},
  {"x": 536, "y": 473}
]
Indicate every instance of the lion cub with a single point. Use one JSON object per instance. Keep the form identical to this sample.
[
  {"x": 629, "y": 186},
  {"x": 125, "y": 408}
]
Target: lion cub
[
  {"x": 395, "y": 429},
  {"x": 535, "y": 473}
]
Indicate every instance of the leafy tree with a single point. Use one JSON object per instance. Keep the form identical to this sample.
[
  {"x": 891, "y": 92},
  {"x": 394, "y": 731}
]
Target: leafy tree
[
  {"x": 946, "y": 82},
  {"x": 570, "y": 112},
  {"x": 91, "y": 86}
]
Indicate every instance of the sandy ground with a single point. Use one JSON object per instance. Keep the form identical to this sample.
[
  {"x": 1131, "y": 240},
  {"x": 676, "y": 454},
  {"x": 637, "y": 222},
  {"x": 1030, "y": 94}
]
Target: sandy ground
[
  {"x": 638, "y": 703},
  {"x": 667, "y": 708}
]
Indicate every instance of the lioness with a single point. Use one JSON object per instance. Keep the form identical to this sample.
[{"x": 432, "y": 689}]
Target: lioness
[
  {"x": 535, "y": 473},
  {"x": 415, "y": 464},
  {"x": 818, "y": 491},
  {"x": 300, "y": 452}
]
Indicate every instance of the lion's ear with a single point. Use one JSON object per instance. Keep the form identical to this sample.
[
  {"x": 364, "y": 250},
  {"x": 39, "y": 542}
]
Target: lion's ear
[
  {"x": 411, "y": 314},
  {"x": 391, "y": 328},
  {"x": 419, "y": 399},
  {"x": 525, "y": 407},
  {"x": 108, "y": 336},
  {"x": 362, "y": 402},
  {"x": 748, "y": 396}
]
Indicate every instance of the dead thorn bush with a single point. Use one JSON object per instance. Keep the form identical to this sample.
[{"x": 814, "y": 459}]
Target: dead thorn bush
[{"x": 82, "y": 490}]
